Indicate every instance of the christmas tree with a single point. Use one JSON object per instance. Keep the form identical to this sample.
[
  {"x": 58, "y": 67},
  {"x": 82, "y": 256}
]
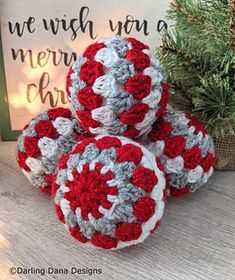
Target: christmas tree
[{"x": 198, "y": 54}]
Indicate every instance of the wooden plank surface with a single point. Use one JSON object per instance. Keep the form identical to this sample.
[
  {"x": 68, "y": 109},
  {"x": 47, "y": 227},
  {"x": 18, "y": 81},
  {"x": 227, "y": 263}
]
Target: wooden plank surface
[{"x": 195, "y": 241}]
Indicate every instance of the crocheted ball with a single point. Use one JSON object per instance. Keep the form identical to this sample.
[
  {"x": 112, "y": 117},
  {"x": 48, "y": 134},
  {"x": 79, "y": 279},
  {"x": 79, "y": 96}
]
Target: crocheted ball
[
  {"x": 186, "y": 151},
  {"x": 43, "y": 141},
  {"x": 117, "y": 87},
  {"x": 110, "y": 192}
]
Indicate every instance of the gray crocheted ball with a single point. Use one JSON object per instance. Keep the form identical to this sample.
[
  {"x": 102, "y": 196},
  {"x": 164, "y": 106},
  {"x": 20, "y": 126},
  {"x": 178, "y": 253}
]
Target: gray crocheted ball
[
  {"x": 111, "y": 192},
  {"x": 186, "y": 151},
  {"x": 117, "y": 87},
  {"x": 43, "y": 141}
]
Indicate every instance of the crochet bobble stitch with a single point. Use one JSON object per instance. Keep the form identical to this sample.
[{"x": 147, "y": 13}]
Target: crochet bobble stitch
[
  {"x": 43, "y": 141},
  {"x": 117, "y": 87},
  {"x": 186, "y": 151},
  {"x": 109, "y": 191}
]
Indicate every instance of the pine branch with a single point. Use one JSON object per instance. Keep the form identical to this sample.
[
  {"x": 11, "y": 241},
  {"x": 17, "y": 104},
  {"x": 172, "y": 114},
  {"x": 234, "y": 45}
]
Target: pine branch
[
  {"x": 208, "y": 15},
  {"x": 199, "y": 58},
  {"x": 214, "y": 102},
  {"x": 204, "y": 45},
  {"x": 183, "y": 72}
]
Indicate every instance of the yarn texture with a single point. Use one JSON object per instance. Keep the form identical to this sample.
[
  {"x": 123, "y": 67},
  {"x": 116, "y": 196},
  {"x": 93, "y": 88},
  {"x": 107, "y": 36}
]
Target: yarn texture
[
  {"x": 112, "y": 158},
  {"x": 186, "y": 151},
  {"x": 43, "y": 141},
  {"x": 109, "y": 192},
  {"x": 117, "y": 87}
]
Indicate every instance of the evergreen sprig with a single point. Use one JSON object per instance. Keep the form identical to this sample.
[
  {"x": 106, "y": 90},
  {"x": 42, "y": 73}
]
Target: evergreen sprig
[{"x": 199, "y": 57}]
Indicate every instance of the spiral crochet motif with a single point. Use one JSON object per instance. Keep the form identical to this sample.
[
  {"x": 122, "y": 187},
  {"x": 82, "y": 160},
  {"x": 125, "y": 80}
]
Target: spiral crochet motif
[
  {"x": 109, "y": 191},
  {"x": 117, "y": 87},
  {"x": 43, "y": 141},
  {"x": 186, "y": 151}
]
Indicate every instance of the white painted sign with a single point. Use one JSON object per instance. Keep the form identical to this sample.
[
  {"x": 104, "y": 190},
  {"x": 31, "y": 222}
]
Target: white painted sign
[{"x": 41, "y": 39}]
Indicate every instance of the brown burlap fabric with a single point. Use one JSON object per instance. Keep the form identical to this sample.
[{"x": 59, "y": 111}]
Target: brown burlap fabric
[
  {"x": 181, "y": 102},
  {"x": 224, "y": 146}
]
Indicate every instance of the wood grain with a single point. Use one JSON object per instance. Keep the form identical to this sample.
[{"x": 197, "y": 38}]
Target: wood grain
[{"x": 195, "y": 240}]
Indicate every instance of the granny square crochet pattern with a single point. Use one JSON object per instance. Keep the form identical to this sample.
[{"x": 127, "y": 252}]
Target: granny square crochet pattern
[
  {"x": 186, "y": 151},
  {"x": 43, "y": 141},
  {"x": 111, "y": 161},
  {"x": 110, "y": 192},
  {"x": 117, "y": 87}
]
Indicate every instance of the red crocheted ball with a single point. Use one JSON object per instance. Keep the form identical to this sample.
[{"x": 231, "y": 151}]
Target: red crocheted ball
[
  {"x": 117, "y": 87},
  {"x": 110, "y": 192},
  {"x": 43, "y": 141},
  {"x": 185, "y": 149}
]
